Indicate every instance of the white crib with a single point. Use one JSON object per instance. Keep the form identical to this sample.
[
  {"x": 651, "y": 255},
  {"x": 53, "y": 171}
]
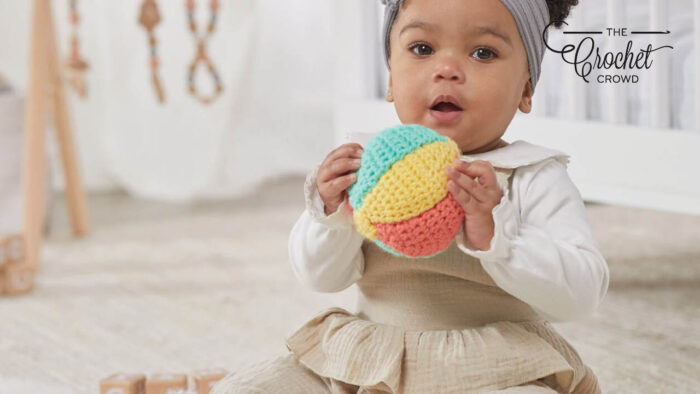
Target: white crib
[{"x": 635, "y": 145}]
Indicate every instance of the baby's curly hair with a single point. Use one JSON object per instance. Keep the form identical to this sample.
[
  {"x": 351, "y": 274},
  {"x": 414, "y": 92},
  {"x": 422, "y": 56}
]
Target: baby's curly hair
[{"x": 559, "y": 10}]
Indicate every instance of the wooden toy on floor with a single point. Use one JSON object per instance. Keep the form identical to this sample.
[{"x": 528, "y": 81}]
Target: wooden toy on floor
[
  {"x": 162, "y": 383},
  {"x": 198, "y": 382},
  {"x": 16, "y": 276},
  {"x": 18, "y": 279},
  {"x": 204, "y": 380},
  {"x": 11, "y": 250},
  {"x": 123, "y": 383}
]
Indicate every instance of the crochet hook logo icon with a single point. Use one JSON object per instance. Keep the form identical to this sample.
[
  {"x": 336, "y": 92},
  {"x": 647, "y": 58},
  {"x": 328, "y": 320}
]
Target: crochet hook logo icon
[{"x": 586, "y": 56}]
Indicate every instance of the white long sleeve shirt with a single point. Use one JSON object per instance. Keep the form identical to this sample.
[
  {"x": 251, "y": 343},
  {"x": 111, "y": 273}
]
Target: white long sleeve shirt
[{"x": 543, "y": 251}]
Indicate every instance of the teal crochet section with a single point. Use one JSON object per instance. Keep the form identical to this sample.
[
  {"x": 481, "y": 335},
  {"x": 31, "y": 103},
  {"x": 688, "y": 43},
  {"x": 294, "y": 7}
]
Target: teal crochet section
[{"x": 383, "y": 150}]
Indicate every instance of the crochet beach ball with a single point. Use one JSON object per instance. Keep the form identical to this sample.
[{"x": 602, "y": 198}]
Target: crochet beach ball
[{"x": 400, "y": 199}]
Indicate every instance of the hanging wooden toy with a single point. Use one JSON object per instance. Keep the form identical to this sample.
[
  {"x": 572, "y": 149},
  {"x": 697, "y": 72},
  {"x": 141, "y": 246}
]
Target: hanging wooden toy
[
  {"x": 149, "y": 18},
  {"x": 76, "y": 64},
  {"x": 201, "y": 56}
]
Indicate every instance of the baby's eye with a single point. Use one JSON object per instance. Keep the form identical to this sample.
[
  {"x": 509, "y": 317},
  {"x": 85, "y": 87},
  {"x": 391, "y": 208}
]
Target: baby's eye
[
  {"x": 486, "y": 50},
  {"x": 422, "y": 47}
]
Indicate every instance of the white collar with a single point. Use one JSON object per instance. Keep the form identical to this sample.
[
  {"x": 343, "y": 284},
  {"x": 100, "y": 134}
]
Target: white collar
[{"x": 517, "y": 154}]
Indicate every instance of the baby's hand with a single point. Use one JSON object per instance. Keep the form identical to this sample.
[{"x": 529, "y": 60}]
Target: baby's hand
[
  {"x": 336, "y": 174},
  {"x": 477, "y": 198}
]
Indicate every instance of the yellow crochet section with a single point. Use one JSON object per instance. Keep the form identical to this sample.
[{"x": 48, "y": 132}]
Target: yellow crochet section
[{"x": 408, "y": 188}]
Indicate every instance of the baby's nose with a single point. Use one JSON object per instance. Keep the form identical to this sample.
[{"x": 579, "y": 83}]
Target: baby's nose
[{"x": 449, "y": 68}]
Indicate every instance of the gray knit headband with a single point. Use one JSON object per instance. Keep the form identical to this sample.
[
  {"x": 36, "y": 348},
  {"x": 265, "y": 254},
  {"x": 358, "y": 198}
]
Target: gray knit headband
[{"x": 531, "y": 16}]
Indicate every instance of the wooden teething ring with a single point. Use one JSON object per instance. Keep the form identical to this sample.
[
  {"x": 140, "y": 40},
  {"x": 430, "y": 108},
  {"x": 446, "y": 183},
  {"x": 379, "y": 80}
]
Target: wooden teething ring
[
  {"x": 76, "y": 64},
  {"x": 201, "y": 56},
  {"x": 149, "y": 18}
]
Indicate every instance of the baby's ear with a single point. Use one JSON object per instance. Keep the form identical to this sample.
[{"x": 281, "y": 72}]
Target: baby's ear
[{"x": 525, "y": 105}]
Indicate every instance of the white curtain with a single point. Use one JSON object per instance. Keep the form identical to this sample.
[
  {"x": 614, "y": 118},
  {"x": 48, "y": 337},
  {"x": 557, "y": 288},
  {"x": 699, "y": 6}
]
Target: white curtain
[{"x": 276, "y": 62}]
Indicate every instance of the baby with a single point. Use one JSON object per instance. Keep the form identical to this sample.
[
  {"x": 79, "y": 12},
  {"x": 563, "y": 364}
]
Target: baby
[{"x": 476, "y": 317}]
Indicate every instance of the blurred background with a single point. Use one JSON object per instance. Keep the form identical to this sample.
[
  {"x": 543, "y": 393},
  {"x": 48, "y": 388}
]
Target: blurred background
[{"x": 190, "y": 204}]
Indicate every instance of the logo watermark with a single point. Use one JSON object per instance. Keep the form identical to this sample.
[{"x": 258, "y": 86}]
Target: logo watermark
[{"x": 586, "y": 56}]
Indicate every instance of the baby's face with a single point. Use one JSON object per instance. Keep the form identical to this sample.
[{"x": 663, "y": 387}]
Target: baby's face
[{"x": 439, "y": 48}]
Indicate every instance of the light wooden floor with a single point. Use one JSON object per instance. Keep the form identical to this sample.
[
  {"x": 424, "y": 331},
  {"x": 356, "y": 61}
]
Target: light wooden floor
[{"x": 167, "y": 288}]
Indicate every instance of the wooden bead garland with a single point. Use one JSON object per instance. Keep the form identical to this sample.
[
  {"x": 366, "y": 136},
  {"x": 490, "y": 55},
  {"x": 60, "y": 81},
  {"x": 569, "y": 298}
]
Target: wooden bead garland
[
  {"x": 201, "y": 56},
  {"x": 149, "y": 18},
  {"x": 76, "y": 64}
]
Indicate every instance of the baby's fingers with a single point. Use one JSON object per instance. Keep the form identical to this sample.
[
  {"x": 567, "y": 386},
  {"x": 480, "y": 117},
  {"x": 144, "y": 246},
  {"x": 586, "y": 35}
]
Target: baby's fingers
[
  {"x": 337, "y": 186},
  {"x": 466, "y": 184},
  {"x": 466, "y": 200},
  {"x": 337, "y": 168},
  {"x": 346, "y": 150},
  {"x": 482, "y": 170}
]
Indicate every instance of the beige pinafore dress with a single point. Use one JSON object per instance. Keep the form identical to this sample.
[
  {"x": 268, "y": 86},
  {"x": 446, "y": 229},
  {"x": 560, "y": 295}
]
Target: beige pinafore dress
[{"x": 437, "y": 325}]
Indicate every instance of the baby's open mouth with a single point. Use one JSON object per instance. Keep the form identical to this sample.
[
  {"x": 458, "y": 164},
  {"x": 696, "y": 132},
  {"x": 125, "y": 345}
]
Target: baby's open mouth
[{"x": 446, "y": 107}]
